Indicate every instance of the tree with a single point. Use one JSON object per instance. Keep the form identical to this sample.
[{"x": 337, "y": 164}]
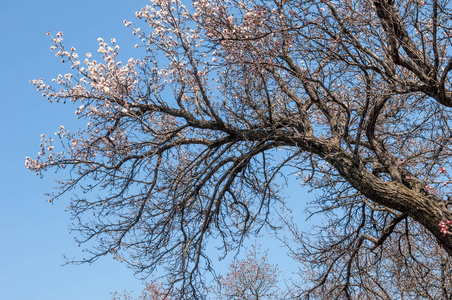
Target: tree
[
  {"x": 151, "y": 291},
  {"x": 181, "y": 147},
  {"x": 250, "y": 278}
]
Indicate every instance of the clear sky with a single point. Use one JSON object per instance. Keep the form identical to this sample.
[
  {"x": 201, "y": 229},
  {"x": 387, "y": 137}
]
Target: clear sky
[{"x": 33, "y": 234}]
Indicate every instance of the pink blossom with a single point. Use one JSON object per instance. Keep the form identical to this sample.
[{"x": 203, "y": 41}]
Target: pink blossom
[{"x": 445, "y": 227}]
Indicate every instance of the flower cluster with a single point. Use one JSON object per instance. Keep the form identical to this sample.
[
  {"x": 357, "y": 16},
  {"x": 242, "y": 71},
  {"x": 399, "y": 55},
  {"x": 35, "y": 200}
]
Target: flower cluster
[
  {"x": 446, "y": 226},
  {"x": 110, "y": 79},
  {"x": 243, "y": 34},
  {"x": 104, "y": 90},
  {"x": 46, "y": 155}
]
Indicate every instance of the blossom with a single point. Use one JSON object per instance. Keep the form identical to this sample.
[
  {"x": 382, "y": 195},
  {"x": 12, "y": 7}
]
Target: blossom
[{"x": 445, "y": 227}]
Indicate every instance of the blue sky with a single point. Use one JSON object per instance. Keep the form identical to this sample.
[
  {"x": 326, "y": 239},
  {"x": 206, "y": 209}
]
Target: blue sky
[{"x": 34, "y": 234}]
